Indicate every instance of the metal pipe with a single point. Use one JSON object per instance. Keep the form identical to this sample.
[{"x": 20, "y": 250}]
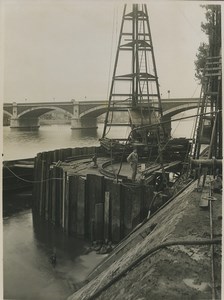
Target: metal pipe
[
  {"x": 212, "y": 248},
  {"x": 206, "y": 162},
  {"x": 151, "y": 251}
]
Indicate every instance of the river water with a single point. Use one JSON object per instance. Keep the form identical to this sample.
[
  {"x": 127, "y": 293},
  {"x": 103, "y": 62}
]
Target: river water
[
  {"x": 24, "y": 144},
  {"x": 28, "y": 243}
]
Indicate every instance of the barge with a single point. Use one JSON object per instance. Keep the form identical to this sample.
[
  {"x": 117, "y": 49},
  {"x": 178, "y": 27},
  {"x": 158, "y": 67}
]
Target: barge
[{"x": 18, "y": 174}]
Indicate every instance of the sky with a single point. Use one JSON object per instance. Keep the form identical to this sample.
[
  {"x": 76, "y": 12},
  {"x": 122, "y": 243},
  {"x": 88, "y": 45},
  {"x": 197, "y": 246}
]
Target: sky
[{"x": 62, "y": 50}]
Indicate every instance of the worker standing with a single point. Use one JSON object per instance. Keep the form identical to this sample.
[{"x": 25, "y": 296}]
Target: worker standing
[
  {"x": 132, "y": 159},
  {"x": 94, "y": 160}
]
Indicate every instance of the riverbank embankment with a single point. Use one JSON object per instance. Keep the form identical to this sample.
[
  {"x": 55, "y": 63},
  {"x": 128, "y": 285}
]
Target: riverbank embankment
[{"x": 169, "y": 257}]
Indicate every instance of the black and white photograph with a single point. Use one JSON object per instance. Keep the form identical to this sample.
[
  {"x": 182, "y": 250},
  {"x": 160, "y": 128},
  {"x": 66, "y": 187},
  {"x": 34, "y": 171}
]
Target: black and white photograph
[{"x": 112, "y": 147}]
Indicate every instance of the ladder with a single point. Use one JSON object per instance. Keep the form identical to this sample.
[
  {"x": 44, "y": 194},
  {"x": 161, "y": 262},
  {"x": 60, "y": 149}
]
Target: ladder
[{"x": 209, "y": 107}]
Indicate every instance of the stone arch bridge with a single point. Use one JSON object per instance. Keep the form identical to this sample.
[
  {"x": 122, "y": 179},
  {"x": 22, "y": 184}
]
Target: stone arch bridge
[{"x": 83, "y": 113}]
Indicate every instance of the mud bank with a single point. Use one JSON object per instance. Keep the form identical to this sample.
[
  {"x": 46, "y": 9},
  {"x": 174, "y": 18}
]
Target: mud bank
[{"x": 172, "y": 272}]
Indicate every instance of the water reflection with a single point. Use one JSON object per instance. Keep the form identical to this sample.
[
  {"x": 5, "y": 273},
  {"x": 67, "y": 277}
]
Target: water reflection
[
  {"x": 27, "y": 270},
  {"x": 24, "y": 144},
  {"x": 54, "y": 239},
  {"x": 83, "y": 134}
]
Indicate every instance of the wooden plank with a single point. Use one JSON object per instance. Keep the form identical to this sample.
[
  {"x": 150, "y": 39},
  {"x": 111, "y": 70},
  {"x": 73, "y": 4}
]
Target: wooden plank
[
  {"x": 126, "y": 210},
  {"x": 99, "y": 222},
  {"x": 53, "y": 195},
  {"x": 107, "y": 216},
  {"x": 41, "y": 188},
  {"x": 95, "y": 188},
  {"x": 50, "y": 195},
  {"x": 34, "y": 184},
  {"x": 91, "y": 151},
  {"x": 131, "y": 196},
  {"x": 47, "y": 185},
  {"x": 58, "y": 203},
  {"x": 137, "y": 195},
  {"x": 61, "y": 154},
  {"x": 74, "y": 152},
  {"x": 73, "y": 196},
  {"x": 51, "y": 153},
  {"x": 78, "y": 151},
  {"x": 116, "y": 213},
  {"x": 81, "y": 207},
  {"x": 67, "y": 206},
  {"x": 60, "y": 184},
  {"x": 36, "y": 191},
  {"x": 67, "y": 153},
  {"x": 146, "y": 201},
  {"x": 65, "y": 202},
  {"x": 56, "y": 155}
]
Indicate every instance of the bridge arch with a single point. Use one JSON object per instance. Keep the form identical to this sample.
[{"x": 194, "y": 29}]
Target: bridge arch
[
  {"x": 36, "y": 112},
  {"x": 169, "y": 113},
  {"x": 94, "y": 112},
  {"x": 7, "y": 113}
]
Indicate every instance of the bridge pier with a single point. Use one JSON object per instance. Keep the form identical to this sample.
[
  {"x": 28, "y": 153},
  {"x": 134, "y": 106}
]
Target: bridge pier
[
  {"x": 24, "y": 123},
  {"x": 84, "y": 123},
  {"x": 81, "y": 123}
]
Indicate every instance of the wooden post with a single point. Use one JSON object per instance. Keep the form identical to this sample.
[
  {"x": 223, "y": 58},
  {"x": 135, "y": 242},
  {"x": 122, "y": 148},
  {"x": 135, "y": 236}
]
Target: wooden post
[
  {"x": 99, "y": 224},
  {"x": 63, "y": 213},
  {"x": 126, "y": 209},
  {"x": 74, "y": 151},
  {"x": 107, "y": 216},
  {"x": 53, "y": 195},
  {"x": 36, "y": 189},
  {"x": 137, "y": 196},
  {"x": 50, "y": 195},
  {"x": 146, "y": 201},
  {"x": 56, "y": 155},
  {"x": 81, "y": 206},
  {"x": 67, "y": 153},
  {"x": 73, "y": 190},
  {"x": 95, "y": 188},
  {"x": 66, "y": 203},
  {"x": 47, "y": 185},
  {"x": 41, "y": 187},
  {"x": 58, "y": 206},
  {"x": 116, "y": 214}
]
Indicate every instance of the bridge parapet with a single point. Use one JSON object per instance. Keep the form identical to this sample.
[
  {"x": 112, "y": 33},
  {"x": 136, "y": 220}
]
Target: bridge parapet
[{"x": 83, "y": 113}]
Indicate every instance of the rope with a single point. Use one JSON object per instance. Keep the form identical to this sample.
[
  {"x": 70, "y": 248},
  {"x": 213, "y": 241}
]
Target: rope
[{"x": 32, "y": 181}]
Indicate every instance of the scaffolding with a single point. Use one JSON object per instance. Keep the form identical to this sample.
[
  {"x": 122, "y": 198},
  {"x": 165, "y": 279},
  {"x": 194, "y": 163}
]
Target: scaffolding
[
  {"x": 134, "y": 91},
  {"x": 208, "y": 126}
]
